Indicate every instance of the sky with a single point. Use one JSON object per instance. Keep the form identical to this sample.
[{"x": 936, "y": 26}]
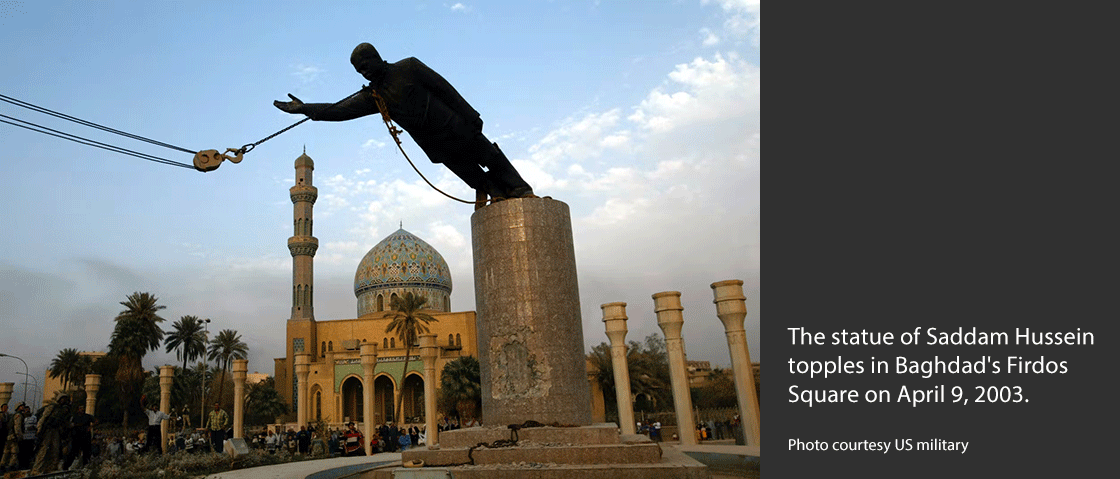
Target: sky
[{"x": 644, "y": 117}]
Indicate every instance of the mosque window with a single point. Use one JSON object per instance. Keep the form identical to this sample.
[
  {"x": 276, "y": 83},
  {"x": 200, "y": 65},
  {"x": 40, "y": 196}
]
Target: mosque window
[
  {"x": 392, "y": 342},
  {"x": 384, "y": 343},
  {"x": 330, "y": 345},
  {"x": 458, "y": 340},
  {"x": 380, "y": 303},
  {"x": 450, "y": 339},
  {"x": 323, "y": 350}
]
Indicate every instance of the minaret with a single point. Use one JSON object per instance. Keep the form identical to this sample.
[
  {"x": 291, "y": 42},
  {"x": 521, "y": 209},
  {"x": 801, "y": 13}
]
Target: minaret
[
  {"x": 301, "y": 327},
  {"x": 302, "y": 244}
]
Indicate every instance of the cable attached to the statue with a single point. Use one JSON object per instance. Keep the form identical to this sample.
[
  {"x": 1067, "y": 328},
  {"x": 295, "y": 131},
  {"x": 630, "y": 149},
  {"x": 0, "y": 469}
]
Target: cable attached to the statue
[{"x": 395, "y": 132}]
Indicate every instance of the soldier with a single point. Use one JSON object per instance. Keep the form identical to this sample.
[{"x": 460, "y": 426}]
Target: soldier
[
  {"x": 10, "y": 460},
  {"x": 81, "y": 441},
  {"x": 52, "y": 428},
  {"x": 4, "y": 418}
]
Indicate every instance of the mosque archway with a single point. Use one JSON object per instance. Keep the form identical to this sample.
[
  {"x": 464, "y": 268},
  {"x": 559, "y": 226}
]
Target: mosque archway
[
  {"x": 413, "y": 398},
  {"x": 383, "y": 388},
  {"x": 352, "y": 399}
]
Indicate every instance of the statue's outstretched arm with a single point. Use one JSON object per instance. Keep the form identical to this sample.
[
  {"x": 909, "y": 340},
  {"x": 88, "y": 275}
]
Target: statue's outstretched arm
[{"x": 354, "y": 107}]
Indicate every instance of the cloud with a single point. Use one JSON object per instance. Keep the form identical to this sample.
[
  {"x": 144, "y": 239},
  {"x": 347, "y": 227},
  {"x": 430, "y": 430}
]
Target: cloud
[
  {"x": 744, "y": 19},
  {"x": 459, "y": 7},
  {"x": 578, "y": 139},
  {"x": 710, "y": 38},
  {"x": 307, "y": 73}
]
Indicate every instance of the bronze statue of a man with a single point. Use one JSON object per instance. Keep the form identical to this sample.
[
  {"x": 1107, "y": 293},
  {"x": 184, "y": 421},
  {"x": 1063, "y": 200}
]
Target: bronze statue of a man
[{"x": 432, "y": 112}]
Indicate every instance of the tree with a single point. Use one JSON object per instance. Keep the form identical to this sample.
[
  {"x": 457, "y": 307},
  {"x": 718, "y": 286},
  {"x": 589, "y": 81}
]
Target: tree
[
  {"x": 65, "y": 366},
  {"x": 460, "y": 387},
  {"x": 717, "y": 392},
  {"x": 264, "y": 404},
  {"x": 137, "y": 331},
  {"x": 408, "y": 323},
  {"x": 224, "y": 348},
  {"x": 187, "y": 338},
  {"x": 648, "y": 365}
]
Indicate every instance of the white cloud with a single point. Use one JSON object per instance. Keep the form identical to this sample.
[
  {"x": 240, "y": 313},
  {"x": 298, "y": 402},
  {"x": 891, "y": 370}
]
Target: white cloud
[
  {"x": 744, "y": 19},
  {"x": 577, "y": 139},
  {"x": 710, "y": 38},
  {"x": 307, "y": 73},
  {"x": 459, "y": 7},
  {"x": 709, "y": 90}
]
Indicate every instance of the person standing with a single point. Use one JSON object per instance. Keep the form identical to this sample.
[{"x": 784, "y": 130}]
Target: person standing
[
  {"x": 52, "y": 428},
  {"x": 81, "y": 437},
  {"x": 217, "y": 423},
  {"x": 303, "y": 440},
  {"x": 13, "y": 435},
  {"x": 155, "y": 432},
  {"x": 5, "y": 418},
  {"x": 27, "y": 444}
]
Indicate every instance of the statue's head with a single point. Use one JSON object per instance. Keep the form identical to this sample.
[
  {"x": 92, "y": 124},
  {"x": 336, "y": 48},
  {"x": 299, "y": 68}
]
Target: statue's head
[{"x": 367, "y": 61}]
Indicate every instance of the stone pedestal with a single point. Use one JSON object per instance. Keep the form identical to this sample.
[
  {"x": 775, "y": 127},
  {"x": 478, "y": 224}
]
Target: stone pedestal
[
  {"x": 429, "y": 351},
  {"x": 369, "y": 361},
  {"x": 668, "y": 307},
  {"x": 731, "y": 308},
  {"x": 240, "y": 371},
  {"x": 585, "y": 452},
  {"x": 166, "y": 379},
  {"x": 6, "y": 392},
  {"x": 303, "y": 367},
  {"x": 614, "y": 315},
  {"x": 93, "y": 385},
  {"x": 530, "y": 334}
]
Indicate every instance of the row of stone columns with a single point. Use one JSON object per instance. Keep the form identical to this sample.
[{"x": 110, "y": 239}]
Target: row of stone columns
[{"x": 732, "y": 310}]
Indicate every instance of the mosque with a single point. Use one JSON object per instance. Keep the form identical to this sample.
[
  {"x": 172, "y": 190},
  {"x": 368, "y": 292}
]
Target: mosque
[{"x": 400, "y": 263}]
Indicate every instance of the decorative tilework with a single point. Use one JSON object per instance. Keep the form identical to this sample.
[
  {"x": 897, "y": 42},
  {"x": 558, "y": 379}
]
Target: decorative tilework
[{"x": 402, "y": 262}]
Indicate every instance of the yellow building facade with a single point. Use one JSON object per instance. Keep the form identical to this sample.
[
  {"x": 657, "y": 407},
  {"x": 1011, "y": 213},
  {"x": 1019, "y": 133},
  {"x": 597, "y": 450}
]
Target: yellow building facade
[{"x": 400, "y": 263}]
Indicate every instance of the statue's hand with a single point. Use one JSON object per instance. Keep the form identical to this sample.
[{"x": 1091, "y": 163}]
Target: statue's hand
[{"x": 294, "y": 106}]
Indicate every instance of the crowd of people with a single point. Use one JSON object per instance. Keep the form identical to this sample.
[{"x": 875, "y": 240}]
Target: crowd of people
[{"x": 61, "y": 435}]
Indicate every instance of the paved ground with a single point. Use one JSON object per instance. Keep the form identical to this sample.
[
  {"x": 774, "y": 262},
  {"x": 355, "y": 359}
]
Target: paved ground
[
  {"x": 332, "y": 468},
  {"x": 341, "y": 467}
]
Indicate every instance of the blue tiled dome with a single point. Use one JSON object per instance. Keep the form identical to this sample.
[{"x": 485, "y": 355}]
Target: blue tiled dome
[{"x": 399, "y": 263}]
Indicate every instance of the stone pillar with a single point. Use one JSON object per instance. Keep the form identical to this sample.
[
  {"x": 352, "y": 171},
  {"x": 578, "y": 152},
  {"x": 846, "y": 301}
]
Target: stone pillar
[
  {"x": 240, "y": 371},
  {"x": 530, "y": 333},
  {"x": 303, "y": 367},
  {"x": 93, "y": 384},
  {"x": 731, "y": 308},
  {"x": 614, "y": 314},
  {"x": 667, "y": 305},
  {"x": 598, "y": 404},
  {"x": 166, "y": 379},
  {"x": 6, "y": 392},
  {"x": 369, "y": 361},
  {"x": 329, "y": 405},
  {"x": 429, "y": 351}
]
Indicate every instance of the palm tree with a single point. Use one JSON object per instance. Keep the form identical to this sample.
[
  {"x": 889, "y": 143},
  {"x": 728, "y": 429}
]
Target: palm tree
[
  {"x": 64, "y": 366},
  {"x": 137, "y": 332},
  {"x": 224, "y": 348},
  {"x": 264, "y": 403},
  {"x": 408, "y": 322},
  {"x": 187, "y": 339},
  {"x": 460, "y": 386}
]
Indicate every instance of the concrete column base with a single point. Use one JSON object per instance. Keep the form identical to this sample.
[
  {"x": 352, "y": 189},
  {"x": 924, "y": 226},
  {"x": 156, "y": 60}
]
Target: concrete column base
[{"x": 530, "y": 330}]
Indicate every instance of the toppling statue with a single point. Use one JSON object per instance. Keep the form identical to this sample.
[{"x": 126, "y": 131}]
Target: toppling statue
[{"x": 432, "y": 112}]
